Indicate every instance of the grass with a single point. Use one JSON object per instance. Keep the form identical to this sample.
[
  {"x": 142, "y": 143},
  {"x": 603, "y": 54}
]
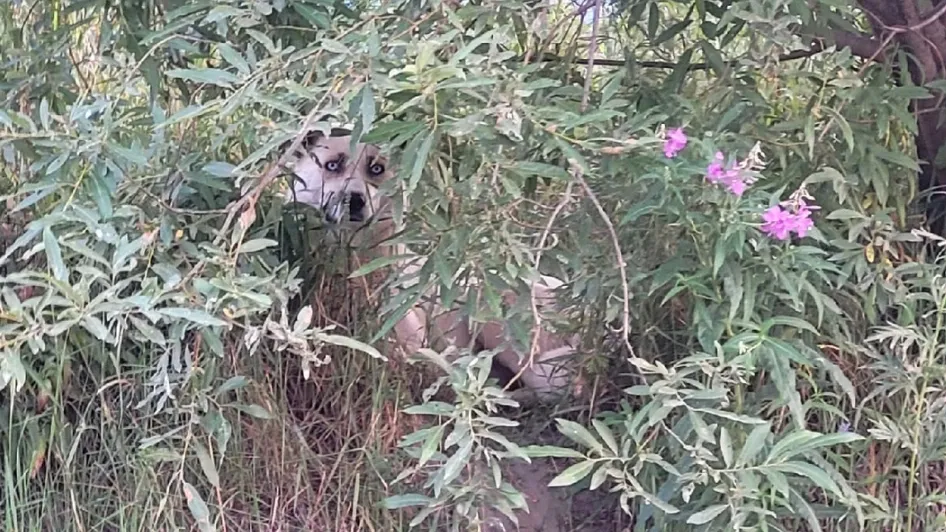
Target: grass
[{"x": 73, "y": 457}]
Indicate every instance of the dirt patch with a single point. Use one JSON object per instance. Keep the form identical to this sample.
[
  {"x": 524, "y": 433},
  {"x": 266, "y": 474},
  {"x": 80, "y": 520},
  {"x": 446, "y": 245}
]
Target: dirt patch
[{"x": 551, "y": 509}]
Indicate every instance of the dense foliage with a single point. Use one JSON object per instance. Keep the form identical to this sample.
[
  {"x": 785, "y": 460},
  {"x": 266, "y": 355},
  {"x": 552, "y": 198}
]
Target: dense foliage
[{"x": 729, "y": 206}]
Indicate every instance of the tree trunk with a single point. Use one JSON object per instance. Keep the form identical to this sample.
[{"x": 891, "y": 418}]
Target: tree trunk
[{"x": 899, "y": 24}]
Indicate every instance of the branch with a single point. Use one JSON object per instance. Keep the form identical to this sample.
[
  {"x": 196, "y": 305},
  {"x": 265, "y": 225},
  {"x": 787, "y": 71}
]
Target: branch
[
  {"x": 861, "y": 45},
  {"x": 815, "y": 49}
]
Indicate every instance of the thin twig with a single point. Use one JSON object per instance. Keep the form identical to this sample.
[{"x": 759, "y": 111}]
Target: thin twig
[
  {"x": 616, "y": 243},
  {"x": 592, "y": 49},
  {"x": 536, "y": 316},
  {"x": 248, "y": 200}
]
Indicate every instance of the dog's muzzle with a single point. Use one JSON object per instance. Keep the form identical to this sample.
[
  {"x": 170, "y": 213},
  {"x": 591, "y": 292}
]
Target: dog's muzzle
[{"x": 340, "y": 206}]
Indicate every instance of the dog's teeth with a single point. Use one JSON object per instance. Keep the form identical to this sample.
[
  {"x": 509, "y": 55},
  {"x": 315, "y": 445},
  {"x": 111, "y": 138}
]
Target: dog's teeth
[{"x": 335, "y": 211}]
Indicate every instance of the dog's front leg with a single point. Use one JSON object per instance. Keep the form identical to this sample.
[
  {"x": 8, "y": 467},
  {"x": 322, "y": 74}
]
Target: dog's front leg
[
  {"x": 550, "y": 373},
  {"x": 410, "y": 332}
]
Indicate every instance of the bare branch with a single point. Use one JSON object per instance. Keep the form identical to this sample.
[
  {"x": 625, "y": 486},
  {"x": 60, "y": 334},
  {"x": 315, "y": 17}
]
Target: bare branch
[{"x": 861, "y": 46}]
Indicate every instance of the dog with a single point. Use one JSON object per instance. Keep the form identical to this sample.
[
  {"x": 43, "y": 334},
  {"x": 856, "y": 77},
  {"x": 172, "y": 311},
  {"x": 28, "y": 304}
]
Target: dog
[{"x": 346, "y": 188}]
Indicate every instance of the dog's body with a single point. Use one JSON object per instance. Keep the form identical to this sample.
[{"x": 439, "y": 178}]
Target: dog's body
[{"x": 345, "y": 187}]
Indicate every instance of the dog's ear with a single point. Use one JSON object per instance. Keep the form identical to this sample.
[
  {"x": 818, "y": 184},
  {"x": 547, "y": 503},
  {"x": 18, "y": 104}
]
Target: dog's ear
[{"x": 312, "y": 137}]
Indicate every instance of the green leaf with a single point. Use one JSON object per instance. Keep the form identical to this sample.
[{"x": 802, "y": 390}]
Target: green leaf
[
  {"x": 738, "y": 418},
  {"x": 606, "y": 435},
  {"x": 578, "y": 434},
  {"x": 197, "y": 507},
  {"x": 812, "y": 473},
  {"x": 207, "y": 464},
  {"x": 219, "y": 169},
  {"x": 432, "y": 408},
  {"x": 230, "y": 55},
  {"x": 598, "y": 478},
  {"x": 54, "y": 255},
  {"x": 196, "y": 316},
  {"x": 148, "y": 331},
  {"x": 366, "y": 107},
  {"x": 252, "y": 246},
  {"x": 784, "y": 446},
  {"x": 351, "y": 343},
  {"x": 395, "y": 502},
  {"x": 189, "y": 112},
  {"x": 817, "y": 441},
  {"x": 431, "y": 444},
  {"x": 550, "y": 451},
  {"x": 96, "y": 327},
  {"x": 788, "y": 321},
  {"x": 100, "y": 195},
  {"x": 420, "y": 160},
  {"x": 334, "y": 46},
  {"x": 458, "y": 461},
  {"x": 753, "y": 444},
  {"x": 725, "y": 446},
  {"x": 212, "y": 76},
  {"x": 129, "y": 155},
  {"x": 529, "y": 168},
  {"x": 233, "y": 383},
  {"x": 253, "y": 410},
  {"x": 713, "y": 57},
  {"x": 705, "y": 516},
  {"x": 784, "y": 379},
  {"x": 572, "y": 474}
]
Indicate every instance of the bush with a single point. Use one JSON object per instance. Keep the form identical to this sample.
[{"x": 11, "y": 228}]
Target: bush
[{"x": 760, "y": 325}]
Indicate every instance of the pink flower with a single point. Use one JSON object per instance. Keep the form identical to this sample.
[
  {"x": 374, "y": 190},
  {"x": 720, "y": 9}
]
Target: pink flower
[
  {"x": 715, "y": 171},
  {"x": 779, "y": 222},
  {"x": 737, "y": 187},
  {"x": 803, "y": 222},
  {"x": 729, "y": 177},
  {"x": 676, "y": 141}
]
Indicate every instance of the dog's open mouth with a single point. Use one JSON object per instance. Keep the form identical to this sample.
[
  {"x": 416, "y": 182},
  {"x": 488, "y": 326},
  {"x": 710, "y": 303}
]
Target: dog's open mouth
[{"x": 347, "y": 207}]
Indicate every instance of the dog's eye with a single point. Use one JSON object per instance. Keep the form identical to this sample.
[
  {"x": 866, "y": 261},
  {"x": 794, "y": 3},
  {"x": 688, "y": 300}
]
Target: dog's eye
[
  {"x": 376, "y": 169},
  {"x": 333, "y": 166}
]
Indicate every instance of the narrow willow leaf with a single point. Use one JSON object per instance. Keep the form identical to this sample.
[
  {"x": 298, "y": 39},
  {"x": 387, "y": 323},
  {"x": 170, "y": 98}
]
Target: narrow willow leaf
[
  {"x": 578, "y": 434},
  {"x": 196, "y": 316},
  {"x": 818, "y": 442},
  {"x": 432, "y": 408},
  {"x": 705, "y": 516},
  {"x": 233, "y": 383},
  {"x": 213, "y": 76},
  {"x": 431, "y": 444},
  {"x": 54, "y": 254},
  {"x": 198, "y": 508},
  {"x": 207, "y": 464},
  {"x": 725, "y": 446},
  {"x": 549, "y": 451},
  {"x": 458, "y": 461},
  {"x": 253, "y": 410},
  {"x": 350, "y": 343},
  {"x": 230, "y": 55},
  {"x": 572, "y": 474},
  {"x": 811, "y": 472},
  {"x": 420, "y": 160},
  {"x": 606, "y": 435},
  {"x": 395, "y": 502},
  {"x": 788, "y": 442},
  {"x": 753, "y": 444}
]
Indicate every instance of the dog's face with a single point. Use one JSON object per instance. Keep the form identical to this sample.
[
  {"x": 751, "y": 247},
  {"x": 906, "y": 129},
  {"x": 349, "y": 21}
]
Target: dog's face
[{"x": 343, "y": 185}]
